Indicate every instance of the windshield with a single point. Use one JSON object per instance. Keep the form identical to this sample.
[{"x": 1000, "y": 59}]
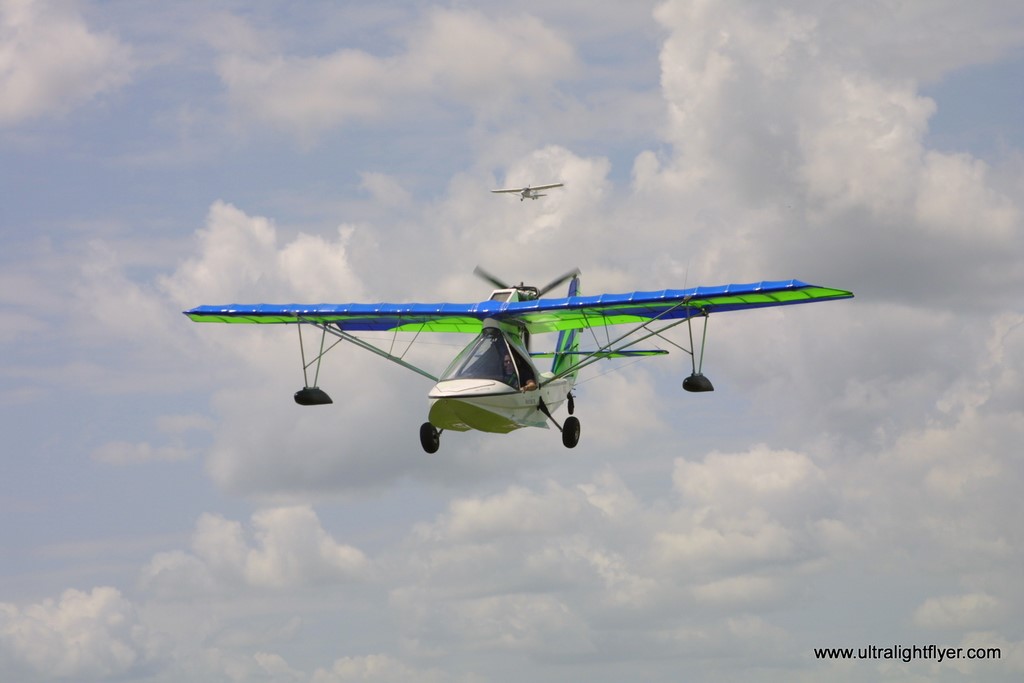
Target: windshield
[{"x": 488, "y": 357}]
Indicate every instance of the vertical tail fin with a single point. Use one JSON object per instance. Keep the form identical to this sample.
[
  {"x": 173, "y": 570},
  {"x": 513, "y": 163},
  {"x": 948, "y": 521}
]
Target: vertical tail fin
[{"x": 568, "y": 340}]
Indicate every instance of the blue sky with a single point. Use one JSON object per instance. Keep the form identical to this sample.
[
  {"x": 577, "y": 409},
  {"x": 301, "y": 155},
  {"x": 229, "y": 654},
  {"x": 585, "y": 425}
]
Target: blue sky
[{"x": 170, "y": 514}]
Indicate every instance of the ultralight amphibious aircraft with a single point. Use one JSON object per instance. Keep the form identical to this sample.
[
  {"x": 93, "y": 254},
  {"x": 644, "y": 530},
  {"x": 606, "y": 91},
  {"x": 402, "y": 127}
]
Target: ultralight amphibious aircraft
[{"x": 494, "y": 383}]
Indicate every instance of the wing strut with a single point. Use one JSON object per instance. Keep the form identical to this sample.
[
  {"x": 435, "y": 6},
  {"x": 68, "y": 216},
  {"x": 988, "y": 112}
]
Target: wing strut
[
  {"x": 315, "y": 396},
  {"x": 697, "y": 382},
  {"x": 345, "y": 336},
  {"x": 312, "y": 395},
  {"x": 610, "y": 346}
]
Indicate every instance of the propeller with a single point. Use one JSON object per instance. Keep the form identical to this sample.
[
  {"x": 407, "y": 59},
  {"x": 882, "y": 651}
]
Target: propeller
[
  {"x": 526, "y": 292},
  {"x": 484, "y": 275},
  {"x": 565, "y": 277}
]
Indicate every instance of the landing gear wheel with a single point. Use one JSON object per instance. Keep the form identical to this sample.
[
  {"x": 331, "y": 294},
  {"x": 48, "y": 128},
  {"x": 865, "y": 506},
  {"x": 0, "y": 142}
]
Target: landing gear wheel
[
  {"x": 571, "y": 432},
  {"x": 571, "y": 404},
  {"x": 430, "y": 438}
]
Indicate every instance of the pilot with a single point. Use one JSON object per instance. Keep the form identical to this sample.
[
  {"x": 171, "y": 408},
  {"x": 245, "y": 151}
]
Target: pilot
[
  {"x": 529, "y": 384},
  {"x": 508, "y": 370}
]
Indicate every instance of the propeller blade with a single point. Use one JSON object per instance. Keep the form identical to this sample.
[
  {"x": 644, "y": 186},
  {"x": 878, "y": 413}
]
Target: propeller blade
[
  {"x": 554, "y": 283},
  {"x": 483, "y": 274}
]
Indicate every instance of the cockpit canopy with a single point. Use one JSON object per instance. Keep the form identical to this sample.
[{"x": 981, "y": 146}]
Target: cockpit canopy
[{"x": 490, "y": 356}]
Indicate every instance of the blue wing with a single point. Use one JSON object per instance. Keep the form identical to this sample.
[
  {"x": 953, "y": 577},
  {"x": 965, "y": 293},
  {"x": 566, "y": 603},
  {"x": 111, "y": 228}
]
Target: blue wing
[{"x": 538, "y": 316}]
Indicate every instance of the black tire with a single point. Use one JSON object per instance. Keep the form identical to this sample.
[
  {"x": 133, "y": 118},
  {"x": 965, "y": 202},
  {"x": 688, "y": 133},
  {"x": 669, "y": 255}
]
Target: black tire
[
  {"x": 430, "y": 439},
  {"x": 571, "y": 432}
]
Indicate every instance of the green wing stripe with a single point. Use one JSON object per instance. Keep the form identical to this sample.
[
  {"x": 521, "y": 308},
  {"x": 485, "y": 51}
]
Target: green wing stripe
[{"x": 541, "y": 315}]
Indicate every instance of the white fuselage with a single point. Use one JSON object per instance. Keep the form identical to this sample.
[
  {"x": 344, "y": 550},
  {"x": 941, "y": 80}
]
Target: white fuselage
[
  {"x": 492, "y": 406},
  {"x": 493, "y": 386}
]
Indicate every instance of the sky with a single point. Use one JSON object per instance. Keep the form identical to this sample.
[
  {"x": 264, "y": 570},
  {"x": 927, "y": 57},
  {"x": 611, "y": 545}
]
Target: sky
[{"x": 168, "y": 513}]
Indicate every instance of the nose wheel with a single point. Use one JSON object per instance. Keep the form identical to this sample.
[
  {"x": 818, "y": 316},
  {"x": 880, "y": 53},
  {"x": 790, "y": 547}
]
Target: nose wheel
[
  {"x": 430, "y": 438},
  {"x": 571, "y": 432}
]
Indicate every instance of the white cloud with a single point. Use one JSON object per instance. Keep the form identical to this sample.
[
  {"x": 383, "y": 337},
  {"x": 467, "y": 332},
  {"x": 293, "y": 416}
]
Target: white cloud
[
  {"x": 536, "y": 623},
  {"x": 37, "y": 78},
  {"x": 961, "y": 612},
  {"x": 294, "y": 548},
  {"x": 956, "y": 194},
  {"x": 864, "y": 149},
  {"x": 277, "y": 667},
  {"x": 126, "y": 453},
  {"x": 177, "y": 424},
  {"x": 463, "y": 56},
  {"x": 807, "y": 159},
  {"x": 759, "y": 478},
  {"x": 744, "y": 591},
  {"x": 910, "y": 39},
  {"x": 284, "y": 548},
  {"x": 488, "y": 60},
  {"x": 376, "y": 668},
  {"x": 514, "y": 512},
  {"x": 308, "y": 95},
  {"x": 80, "y": 636},
  {"x": 586, "y": 559},
  {"x": 385, "y": 189},
  {"x": 725, "y": 546},
  {"x": 240, "y": 256}
]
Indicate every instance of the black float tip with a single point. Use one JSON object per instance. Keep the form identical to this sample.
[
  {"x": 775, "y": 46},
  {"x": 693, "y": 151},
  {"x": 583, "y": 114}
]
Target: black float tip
[
  {"x": 312, "y": 396},
  {"x": 697, "y": 383}
]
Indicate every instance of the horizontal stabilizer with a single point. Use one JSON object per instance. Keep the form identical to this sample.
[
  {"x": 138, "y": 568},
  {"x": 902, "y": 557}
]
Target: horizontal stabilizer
[{"x": 628, "y": 353}]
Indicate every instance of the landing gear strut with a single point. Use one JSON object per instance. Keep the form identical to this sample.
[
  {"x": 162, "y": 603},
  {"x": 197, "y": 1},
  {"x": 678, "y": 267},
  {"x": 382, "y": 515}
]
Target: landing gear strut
[
  {"x": 570, "y": 430},
  {"x": 430, "y": 437}
]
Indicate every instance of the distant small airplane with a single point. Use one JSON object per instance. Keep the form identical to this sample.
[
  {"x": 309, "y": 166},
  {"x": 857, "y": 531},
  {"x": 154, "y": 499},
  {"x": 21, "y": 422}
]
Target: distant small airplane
[{"x": 529, "y": 192}]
